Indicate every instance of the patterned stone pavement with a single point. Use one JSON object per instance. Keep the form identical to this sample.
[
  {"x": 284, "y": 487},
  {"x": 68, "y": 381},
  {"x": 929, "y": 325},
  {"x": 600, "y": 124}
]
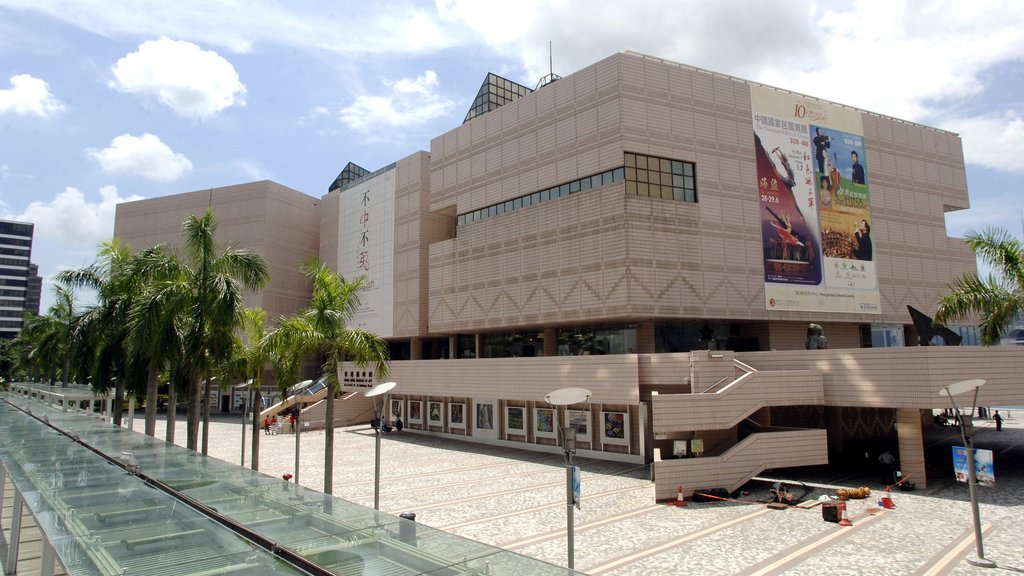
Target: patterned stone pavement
[{"x": 516, "y": 499}]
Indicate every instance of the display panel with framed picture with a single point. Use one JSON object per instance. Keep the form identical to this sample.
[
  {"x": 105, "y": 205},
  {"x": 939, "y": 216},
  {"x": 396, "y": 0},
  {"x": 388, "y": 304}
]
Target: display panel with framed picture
[
  {"x": 484, "y": 422},
  {"x": 615, "y": 428},
  {"x": 515, "y": 420},
  {"x": 457, "y": 415},
  {"x": 679, "y": 448},
  {"x": 544, "y": 423},
  {"x": 580, "y": 419},
  {"x": 415, "y": 412},
  {"x": 396, "y": 409},
  {"x": 434, "y": 413}
]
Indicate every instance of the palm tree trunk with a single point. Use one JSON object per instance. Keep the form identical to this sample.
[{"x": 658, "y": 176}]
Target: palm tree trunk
[
  {"x": 329, "y": 440},
  {"x": 118, "y": 401},
  {"x": 195, "y": 396},
  {"x": 206, "y": 414},
  {"x": 172, "y": 412},
  {"x": 152, "y": 390},
  {"x": 257, "y": 406}
]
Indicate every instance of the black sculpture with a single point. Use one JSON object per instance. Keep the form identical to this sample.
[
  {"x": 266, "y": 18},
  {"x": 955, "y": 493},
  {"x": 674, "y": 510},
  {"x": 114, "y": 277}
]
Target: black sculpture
[
  {"x": 816, "y": 337},
  {"x": 927, "y": 329}
]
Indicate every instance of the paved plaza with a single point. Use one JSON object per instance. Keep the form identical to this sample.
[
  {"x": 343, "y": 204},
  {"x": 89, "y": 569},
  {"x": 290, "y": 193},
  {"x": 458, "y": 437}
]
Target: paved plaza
[{"x": 515, "y": 500}]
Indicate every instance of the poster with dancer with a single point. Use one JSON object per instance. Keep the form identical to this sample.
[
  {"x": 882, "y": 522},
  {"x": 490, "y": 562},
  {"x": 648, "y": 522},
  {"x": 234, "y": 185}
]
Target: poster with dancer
[{"x": 815, "y": 205}]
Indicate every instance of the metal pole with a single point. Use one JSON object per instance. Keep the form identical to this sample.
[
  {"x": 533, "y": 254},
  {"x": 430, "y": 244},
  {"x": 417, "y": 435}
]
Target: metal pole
[
  {"x": 376, "y": 465},
  {"x": 297, "y": 429},
  {"x": 569, "y": 524},
  {"x": 972, "y": 489},
  {"x": 245, "y": 416}
]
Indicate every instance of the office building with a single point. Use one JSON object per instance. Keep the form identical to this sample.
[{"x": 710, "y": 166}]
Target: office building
[{"x": 15, "y": 253}]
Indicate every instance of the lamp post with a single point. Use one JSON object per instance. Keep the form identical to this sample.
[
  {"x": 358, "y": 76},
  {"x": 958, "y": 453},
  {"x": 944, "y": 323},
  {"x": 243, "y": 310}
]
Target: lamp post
[
  {"x": 378, "y": 390},
  {"x": 966, "y": 431},
  {"x": 245, "y": 413},
  {"x": 568, "y": 397}
]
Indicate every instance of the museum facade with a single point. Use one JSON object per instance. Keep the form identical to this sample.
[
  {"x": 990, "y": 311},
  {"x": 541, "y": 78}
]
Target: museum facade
[{"x": 659, "y": 234}]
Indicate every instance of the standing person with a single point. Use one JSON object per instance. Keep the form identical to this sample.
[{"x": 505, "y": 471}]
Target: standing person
[
  {"x": 821, "y": 146},
  {"x": 266, "y": 425},
  {"x": 273, "y": 424},
  {"x": 999, "y": 421},
  {"x": 858, "y": 170},
  {"x": 399, "y": 424},
  {"x": 862, "y": 237},
  {"x": 888, "y": 462}
]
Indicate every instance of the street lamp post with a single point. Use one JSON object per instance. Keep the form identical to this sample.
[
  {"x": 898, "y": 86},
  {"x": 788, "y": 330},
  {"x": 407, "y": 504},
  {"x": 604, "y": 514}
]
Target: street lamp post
[
  {"x": 966, "y": 431},
  {"x": 568, "y": 397},
  {"x": 378, "y": 390}
]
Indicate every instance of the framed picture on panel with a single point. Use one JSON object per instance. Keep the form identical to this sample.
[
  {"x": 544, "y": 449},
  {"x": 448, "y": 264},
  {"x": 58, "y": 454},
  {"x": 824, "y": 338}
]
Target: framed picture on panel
[
  {"x": 580, "y": 419},
  {"x": 434, "y": 411},
  {"x": 415, "y": 412},
  {"x": 515, "y": 420},
  {"x": 544, "y": 426},
  {"x": 615, "y": 428},
  {"x": 396, "y": 409},
  {"x": 679, "y": 448},
  {"x": 457, "y": 415},
  {"x": 484, "y": 422}
]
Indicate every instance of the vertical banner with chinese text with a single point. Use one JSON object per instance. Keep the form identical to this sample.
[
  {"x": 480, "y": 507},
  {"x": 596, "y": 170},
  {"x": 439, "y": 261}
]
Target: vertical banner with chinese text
[{"x": 367, "y": 238}]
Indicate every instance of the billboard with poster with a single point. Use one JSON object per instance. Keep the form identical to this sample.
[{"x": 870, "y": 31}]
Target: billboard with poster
[{"x": 815, "y": 205}]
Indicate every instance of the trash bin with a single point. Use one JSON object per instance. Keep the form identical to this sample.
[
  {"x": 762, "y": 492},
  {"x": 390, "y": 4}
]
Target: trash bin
[
  {"x": 407, "y": 528},
  {"x": 830, "y": 512}
]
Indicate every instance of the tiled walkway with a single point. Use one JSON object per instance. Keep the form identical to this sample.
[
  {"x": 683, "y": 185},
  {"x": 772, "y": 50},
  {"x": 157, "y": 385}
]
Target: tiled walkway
[{"x": 516, "y": 500}]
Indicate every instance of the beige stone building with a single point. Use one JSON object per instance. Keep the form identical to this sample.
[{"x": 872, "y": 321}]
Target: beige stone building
[{"x": 662, "y": 236}]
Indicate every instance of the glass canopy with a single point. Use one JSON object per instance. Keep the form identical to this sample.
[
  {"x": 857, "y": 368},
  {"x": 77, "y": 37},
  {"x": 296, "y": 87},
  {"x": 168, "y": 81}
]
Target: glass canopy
[{"x": 189, "y": 514}]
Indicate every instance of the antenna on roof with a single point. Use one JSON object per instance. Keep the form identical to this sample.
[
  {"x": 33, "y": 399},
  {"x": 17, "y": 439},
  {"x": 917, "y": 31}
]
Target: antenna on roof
[{"x": 551, "y": 77}]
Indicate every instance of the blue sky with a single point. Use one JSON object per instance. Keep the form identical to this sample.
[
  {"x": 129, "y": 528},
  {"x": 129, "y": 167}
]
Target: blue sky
[{"x": 103, "y": 101}]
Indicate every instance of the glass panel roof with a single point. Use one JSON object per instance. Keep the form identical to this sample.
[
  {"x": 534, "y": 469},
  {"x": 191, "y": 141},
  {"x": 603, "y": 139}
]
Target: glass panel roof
[{"x": 103, "y": 520}]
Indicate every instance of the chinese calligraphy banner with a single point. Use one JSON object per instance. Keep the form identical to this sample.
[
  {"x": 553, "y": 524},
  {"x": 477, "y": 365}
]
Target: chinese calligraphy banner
[
  {"x": 815, "y": 205},
  {"x": 367, "y": 249}
]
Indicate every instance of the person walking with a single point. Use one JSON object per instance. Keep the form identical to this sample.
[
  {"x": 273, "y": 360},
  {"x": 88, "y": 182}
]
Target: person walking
[{"x": 999, "y": 421}]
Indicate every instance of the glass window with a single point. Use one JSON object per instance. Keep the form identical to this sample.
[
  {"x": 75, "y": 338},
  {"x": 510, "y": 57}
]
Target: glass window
[
  {"x": 642, "y": 176},
  {"x": 499, "y": 209},
  {"x": 574, "y": 186},
  {"x": 618, "y": 174},
  {"x": 563, "y": 190},
  {"x": 654, "y": 177},
  {"x": 462, "y": 219},
  {"x": 536, "y": 197},
  {"x": 527, "y": 201},
  {"x": 585, "y": 184},
  {"x": 677, "y": 167},
  {"x": 642, "y": 189},
  {"x": 508, "y": 206},
  {"x": 688, "y": 169},
  {"x": 517, "y": 203},
  {"x": 666, "y": 165},
  {"x": 631, "y": 187},
  {"x": 630, "y": 160},
  {"x": 641, "y": 161}
]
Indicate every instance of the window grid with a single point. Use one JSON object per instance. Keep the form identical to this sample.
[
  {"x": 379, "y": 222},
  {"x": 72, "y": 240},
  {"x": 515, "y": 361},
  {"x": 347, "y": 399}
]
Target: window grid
[
  {"x": 553, "y": 193},
  {"x": 654, "y": 177}
]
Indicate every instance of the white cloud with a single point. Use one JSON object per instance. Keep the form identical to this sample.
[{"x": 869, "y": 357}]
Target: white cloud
[
  {"x": 30, "y": 96},
  {"x": 411, "y": 102},
  {"x": 5, "y": 170},
  {"x": 994, "y": 141},
  {"x": 195, "y": 83},
  {"x": 144, "y": 155},
  {"x": 71, "y": 217}
]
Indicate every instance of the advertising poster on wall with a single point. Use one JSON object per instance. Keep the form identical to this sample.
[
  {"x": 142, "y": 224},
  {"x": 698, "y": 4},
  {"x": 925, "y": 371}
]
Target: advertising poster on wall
[
  {"x": 984, "y": 469},
  {"x": 815, "y": 204}
]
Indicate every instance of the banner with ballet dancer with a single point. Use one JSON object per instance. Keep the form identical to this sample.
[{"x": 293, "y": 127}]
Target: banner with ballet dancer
[{"x": 815, "y": 205}]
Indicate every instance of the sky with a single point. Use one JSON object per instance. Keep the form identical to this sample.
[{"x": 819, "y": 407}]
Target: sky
[{"x": 107, "y": 101}]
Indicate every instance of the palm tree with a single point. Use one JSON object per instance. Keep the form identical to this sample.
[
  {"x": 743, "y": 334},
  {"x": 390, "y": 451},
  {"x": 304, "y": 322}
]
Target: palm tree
[
  {"x": 323, "y": 329},
  {"x": 200, "y": 295},
  {"x": 46, "y": 339},
  {"x": 105, "y": 326},
  {"x": 997, "y": 299}
]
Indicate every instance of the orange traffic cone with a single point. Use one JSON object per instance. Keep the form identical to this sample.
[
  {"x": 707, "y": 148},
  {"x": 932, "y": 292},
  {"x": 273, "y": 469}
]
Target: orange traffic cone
[
  {"x": 887, "y": 499},
  {"x": 679, "y": 497},
  {"x": 844, "y": 520}
]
